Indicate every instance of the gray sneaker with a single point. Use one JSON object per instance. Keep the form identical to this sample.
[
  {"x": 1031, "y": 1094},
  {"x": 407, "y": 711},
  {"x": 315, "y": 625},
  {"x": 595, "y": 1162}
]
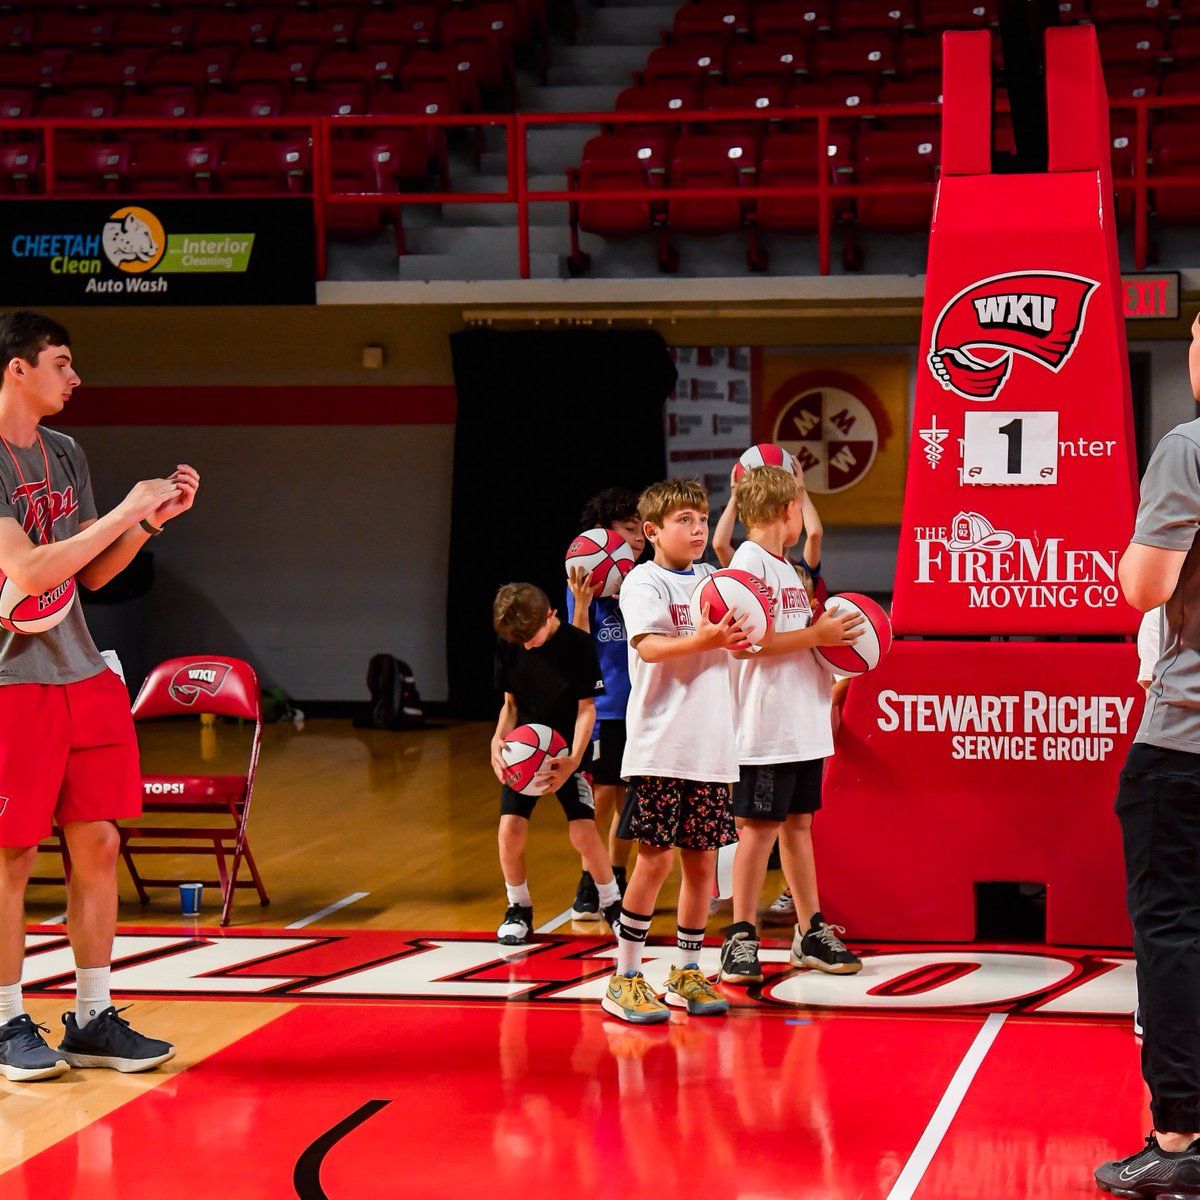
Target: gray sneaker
[{"x": 24, "y": 1054}]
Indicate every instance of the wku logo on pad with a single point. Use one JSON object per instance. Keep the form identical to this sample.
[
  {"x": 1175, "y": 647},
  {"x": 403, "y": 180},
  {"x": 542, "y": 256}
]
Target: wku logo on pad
[
  {"x": 191, "y": 680},
  {"x": 1037, "y": 314}
]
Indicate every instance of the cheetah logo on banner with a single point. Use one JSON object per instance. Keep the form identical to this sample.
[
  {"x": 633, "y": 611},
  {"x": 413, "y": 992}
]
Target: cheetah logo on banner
[
  {"x": 190, "y": 681},
  {"x": 1038, "y": 315}
]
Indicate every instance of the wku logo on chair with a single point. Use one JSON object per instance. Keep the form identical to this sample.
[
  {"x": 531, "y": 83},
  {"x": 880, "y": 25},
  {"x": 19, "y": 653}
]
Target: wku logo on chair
[
  {"x": 1037, "y": 314},
  {"x": 190, "y": 681}
]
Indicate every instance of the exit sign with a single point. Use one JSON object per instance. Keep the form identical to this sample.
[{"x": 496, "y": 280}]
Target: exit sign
[{"x": 1153, "y": 295}]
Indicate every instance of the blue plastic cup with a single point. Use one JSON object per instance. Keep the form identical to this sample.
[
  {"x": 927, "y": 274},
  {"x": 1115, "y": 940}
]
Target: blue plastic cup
[{"x": 189, "y": 898}]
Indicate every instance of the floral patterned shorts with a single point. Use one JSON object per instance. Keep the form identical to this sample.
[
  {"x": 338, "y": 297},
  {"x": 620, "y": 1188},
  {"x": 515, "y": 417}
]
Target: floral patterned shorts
[{"x": 678, "y": 812}]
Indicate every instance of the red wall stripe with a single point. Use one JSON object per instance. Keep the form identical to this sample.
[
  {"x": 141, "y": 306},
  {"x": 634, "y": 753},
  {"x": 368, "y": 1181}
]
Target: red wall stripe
[{"x": 416, "y": 405}]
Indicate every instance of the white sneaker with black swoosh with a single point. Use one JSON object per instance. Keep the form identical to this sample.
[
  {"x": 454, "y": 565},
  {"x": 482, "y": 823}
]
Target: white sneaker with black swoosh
[{"x": 1153, "y": 1172}]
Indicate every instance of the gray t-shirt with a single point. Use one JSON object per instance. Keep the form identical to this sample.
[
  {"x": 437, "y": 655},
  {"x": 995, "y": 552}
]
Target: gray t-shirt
[
  {"x": 66, "y": 653},
  {"x": 1169, "y": 517}
]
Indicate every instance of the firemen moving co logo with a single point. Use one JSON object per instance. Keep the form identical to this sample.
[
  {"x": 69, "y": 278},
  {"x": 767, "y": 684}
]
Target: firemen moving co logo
[
  {"x": 195, "y": 678},
  {"x": 1037, "y": 314}
]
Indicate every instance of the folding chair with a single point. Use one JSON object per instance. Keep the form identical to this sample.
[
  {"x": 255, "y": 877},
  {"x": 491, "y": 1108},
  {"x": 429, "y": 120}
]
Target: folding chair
[{"x": 189, "y": 687}]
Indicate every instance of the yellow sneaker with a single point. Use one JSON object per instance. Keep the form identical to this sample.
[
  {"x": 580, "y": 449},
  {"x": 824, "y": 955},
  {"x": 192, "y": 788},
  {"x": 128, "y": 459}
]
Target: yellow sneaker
[
  {"x": 630, "y": 998},
  {"x": 688, "y": 988}
]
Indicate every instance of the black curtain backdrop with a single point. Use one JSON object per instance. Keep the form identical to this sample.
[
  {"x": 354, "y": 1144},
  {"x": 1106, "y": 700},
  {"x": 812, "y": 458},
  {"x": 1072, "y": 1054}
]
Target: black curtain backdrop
[{"x": 545, "y": 421}]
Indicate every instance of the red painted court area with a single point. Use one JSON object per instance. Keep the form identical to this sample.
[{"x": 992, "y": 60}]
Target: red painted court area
[{"x": 404, "y": 1095}]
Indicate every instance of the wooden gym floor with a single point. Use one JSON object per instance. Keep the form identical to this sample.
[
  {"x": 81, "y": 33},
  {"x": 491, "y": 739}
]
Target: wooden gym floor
[{"x": 365, "y": 1036}]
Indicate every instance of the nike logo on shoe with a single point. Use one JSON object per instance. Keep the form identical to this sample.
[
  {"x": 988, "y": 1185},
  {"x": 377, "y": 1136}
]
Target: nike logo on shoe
[{"x": 1127, "y": 1175}]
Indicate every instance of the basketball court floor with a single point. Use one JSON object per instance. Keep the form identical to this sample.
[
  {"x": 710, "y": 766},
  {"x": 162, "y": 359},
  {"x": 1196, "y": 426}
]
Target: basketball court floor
[{"x": 365, "y": 1036}]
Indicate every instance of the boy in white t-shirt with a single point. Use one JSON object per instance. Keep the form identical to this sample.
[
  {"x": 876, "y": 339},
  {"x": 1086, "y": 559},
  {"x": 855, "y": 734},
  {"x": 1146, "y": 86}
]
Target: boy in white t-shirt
[
  {"x": 680, "y": 751},
  {"x": 782, "y": 699}
]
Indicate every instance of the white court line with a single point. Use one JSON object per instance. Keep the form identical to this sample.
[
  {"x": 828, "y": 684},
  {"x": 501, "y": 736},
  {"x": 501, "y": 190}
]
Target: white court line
[
  {"x": 551, "y": 926},
  {"x": 931, "y": 1139},
  {"x": 329, "y": 908},
  {"x": 61, "y": 919}
]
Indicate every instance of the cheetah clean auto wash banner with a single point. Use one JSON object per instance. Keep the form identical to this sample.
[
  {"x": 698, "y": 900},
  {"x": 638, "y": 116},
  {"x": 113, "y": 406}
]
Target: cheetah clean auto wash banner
[{"x": 110, "y": 252}]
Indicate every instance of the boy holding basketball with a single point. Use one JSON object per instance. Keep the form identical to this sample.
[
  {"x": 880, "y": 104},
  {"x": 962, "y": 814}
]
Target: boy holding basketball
[
  {"x": 782, "y": 704},
  {"x": 600, "y": 616},
  {"x": 549, "y": 675},
  {"x": 680, "y": 752},
  {"x": 68, "y": 756}
]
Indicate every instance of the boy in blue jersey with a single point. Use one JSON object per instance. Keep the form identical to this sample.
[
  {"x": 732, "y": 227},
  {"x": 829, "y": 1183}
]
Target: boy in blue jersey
[{"x": 615, "y": 509}]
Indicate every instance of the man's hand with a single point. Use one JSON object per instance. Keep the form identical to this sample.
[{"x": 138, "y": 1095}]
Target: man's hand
[
  {"x": 555, "y": 772},
  {"x": 838, "y": 629},
  {"x": 579, "y": 580},
  {"x": 187, "y": 480},
  {"x": 726, "y": 634},
  {"x": 147, "y": 497}
]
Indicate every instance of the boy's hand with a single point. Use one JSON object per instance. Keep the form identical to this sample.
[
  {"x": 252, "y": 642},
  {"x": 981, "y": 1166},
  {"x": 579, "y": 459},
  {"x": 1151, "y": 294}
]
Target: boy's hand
[
  {"x": 1196, "y": 329},
  {"x": 579, "y": 580},
  {"x": 726, "y": 634},
  {"x": 838, "y": 629},
  {"x": 498, "y": 763},
  {"x": 187, "y": 480},
  {"x": 555, "y": 772}
]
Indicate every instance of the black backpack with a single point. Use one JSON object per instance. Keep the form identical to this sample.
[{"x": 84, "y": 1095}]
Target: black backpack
[{"x": 395, "y": 701}]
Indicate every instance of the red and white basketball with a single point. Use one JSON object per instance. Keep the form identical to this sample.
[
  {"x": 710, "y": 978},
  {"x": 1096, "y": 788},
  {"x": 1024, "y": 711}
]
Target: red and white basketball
[
  {"x": 525, "y": 751},
  {"x": 874, "y": 642},
  {"x": 765, "y": 454},
  {"x": 740, "y": 592},
  {"x": 34, "y": 614},
  {"x": 605, "y": 554}
]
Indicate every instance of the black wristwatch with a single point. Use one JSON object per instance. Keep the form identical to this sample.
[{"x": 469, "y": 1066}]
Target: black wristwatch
[{"x": 152, "y": 530}]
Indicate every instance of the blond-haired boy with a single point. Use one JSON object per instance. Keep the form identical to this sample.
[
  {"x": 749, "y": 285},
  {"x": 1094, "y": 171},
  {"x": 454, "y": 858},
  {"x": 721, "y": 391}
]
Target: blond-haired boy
[
  {"x": 680, "y": 751},
  {"x": 782, "y": 710}
]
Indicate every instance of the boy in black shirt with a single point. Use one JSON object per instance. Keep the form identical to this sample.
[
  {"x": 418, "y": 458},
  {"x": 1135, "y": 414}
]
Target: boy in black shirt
[{"x": 549, "y": 675}]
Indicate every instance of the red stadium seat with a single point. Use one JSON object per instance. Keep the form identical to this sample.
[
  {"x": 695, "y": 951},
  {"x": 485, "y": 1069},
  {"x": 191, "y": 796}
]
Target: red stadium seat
[
  {"x": 842, "y": 91},
  {"x": 222, "y": 802},
  {"x": 368, "y": 69},
  {"x": 90, "y": 167},
  {"x": 127, "y": 67},
  {"x": 695, "y": 62},
  {"x": 325, "y": 27},
  {"x": 200, "y": 70},
  {"x": 925, "y": 89},
  {"x": 89, "y": 104},
  {"x": 778, "y": 60},
  {"x": 775, "y": 18},
  {"x": 669, "y": 96},
  {"x": 1130, "y": 83},
  {"x": 920, "y": 56},
  {"x": 890, "y": 157},
  {"x": 355, "y": 168},
  {"x": 20, "y": 168},
  {"x": 407, "y": 25},
  {"x": 797, "y": 160},
  {"x": 723, "y": 19},
  {"x": 16, "y": 30},
  {"x": 253, "y": 100},
  {"x": 242, "y": 30},
  {"x": 938, "y": 15},
  {"x": 285, "y": 69},
  {"x": 437, "y": 158},
  {"x": 159, "y": 105},
  {"x": 157, "y": 31},
  {"x": 74, "y": 31},
  {"x": 341, "y": 100},
  {"x": 41, "y": 69},
  {"x": 1175, "y": 150},
  {"x": 1123, "y": 135},
  {"x": 173, "y": 168},
  {"x": 253, "y": 166},
  {"x": 870, "y": 16},
  {"x": 1184, "y": 82},
  {"x": 613, "y": 163},
  {"x": 487, "y": 39},
  {"x": 1130, "y": 12},
  {"x": 760, "y": 98},
  {"x": 858, "y": 54},
  {"x": 1185, "y": 46},
  {"x": 1134, "y": 45},
  {"x": 710, "y": 161},
  {"x": 450, "y": 76},
  {"x": 16, "y": 104}
]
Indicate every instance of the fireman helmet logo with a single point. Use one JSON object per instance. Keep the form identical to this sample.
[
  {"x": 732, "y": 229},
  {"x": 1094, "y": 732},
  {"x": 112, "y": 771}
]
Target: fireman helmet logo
[
  {"x": 195, "y": 678},
  {"x": 1037, "y": 314}
]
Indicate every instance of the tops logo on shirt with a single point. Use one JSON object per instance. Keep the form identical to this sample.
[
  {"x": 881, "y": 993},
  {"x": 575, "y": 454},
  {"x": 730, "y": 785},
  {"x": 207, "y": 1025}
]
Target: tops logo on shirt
[
  {"x": 190, "y": 681},
  {"x": 1037, "y": 314},
  {"x": 43, "y": 505}
]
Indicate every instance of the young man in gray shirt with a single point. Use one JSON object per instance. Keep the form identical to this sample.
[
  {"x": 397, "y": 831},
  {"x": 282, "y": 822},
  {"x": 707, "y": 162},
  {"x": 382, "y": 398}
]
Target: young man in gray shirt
[
  {"x": 1158, "y": 805},
  {"x": 68, "y": 755}
]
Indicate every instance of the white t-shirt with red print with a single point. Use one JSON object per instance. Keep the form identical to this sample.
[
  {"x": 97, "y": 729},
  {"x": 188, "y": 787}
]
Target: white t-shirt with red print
[
  {"x": 679, "y": 722},
  {"x": 781, "y": 702}
]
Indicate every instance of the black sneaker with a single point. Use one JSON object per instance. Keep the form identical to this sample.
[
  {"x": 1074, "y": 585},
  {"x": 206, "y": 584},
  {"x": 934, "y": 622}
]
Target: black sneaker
[
  {"x": 612, "y": 914},
  {"x": 517, "y": 927},
  {"x": 821, "y": 948},
  {"x": 587, "y": 900},
  {"x": 739, "y": 955},
  {"x": 620, "y": 875},
  {"x": 108, "y": 1041},
  {"x": 1153, "y": 1172},
  {"x": 24, "y": 1054}
]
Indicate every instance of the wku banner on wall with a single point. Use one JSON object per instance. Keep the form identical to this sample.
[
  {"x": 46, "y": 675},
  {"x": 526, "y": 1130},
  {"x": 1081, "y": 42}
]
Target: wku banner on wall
[
  {"x": 112, "y": 252},
  {"x": 843, "y": 417}
]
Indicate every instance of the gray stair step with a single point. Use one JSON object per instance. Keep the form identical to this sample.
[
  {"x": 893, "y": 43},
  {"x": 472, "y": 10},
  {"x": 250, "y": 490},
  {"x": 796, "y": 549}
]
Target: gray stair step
[
  {"x": 592, "y": 98},
  {"x": 639, "y": 25},
  {"x": 628, "y": 56},
  {"x": 453, "y": 267},
  {"x": 619, "y": 77},
  {"x": 471, "y": 241}
]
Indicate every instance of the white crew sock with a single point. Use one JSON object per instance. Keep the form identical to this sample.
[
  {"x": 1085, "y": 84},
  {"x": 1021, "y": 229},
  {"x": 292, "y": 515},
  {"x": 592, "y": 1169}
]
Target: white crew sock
[
  {"x": 631, "y": 940},
  {"x": 609, "y": 892},
  {"x": 518, "y": 893},
  {"x": 11, "y": 1004},
  {"x": 91, "y": 993}
]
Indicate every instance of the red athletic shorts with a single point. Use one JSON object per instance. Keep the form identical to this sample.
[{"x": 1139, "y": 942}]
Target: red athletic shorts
[{"x": 67, "y": 753}]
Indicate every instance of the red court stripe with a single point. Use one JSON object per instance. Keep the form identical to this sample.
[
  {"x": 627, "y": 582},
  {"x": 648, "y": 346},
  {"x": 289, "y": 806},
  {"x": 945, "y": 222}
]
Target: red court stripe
[
  {"x": 527, "y": 1100},
  {"x": 1051, "y": 1101}
]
